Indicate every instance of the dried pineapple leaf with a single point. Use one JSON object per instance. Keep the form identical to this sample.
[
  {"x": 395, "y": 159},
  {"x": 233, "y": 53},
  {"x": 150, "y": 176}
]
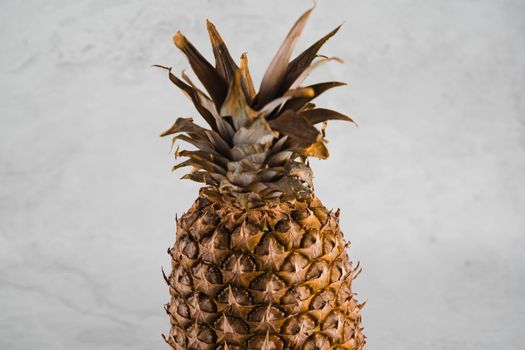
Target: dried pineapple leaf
[
  {"x": 188, "y": 80},
  {"x": 270, "y": 174},
  {"x": 247, "y": 78},
  {"x": 280, "y": 158},
  {"x": 258, "y": 132},
  {"x": 187, "y": 162},
  {"x": 298, "y": 103},
  {"x": 206, "y": 140},
  {"x": 241, "y": 179},
  {"x": 306, "y": 72},
  {"x": 201, "y": 176},
  {"x": 241, "y": 151},
  {"x": 188, "y": 90},
  {"x": 319, "y": 115},
  {"x": 243, "y": 166},
  {"x": 184, "y": 125},
  {"x": 305, "y": 92},
  {"x": 223, "y": 127},
  {"x": 302, "y": 61},
  {"x": 202, "y": 164},
  {"x": 202, "y": 144},
  {"x": 207, "y": 74},
  {"x": 317, "y": 150},
  {"x": 297, "y": 127},
  {"x": 307, "y": 107},
  {"x": 235, "y": 104},
  {"x": 275, "y": 73},
  {"x": 278, "y": 145},
  {"x": 224, "y": 62},
  {"x": 272, "y": 105},
  {"x": 300, "y": 92},
  {"x": 210, "y": 156},
  {"x": 220, "y": 144}
]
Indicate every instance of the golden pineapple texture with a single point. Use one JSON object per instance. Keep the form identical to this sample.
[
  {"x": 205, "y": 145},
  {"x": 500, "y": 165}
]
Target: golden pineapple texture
[
  {"x": 258, "y": 262},
  {"x": 266, "y": 278}
]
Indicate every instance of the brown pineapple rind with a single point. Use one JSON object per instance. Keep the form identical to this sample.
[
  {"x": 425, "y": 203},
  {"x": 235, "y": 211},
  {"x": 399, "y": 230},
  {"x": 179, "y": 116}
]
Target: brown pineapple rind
[{"x": 270, "y": 278}]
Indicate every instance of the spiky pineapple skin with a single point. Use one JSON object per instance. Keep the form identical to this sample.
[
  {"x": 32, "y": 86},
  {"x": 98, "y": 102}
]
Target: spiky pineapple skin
[{"x": 269, "y": 278}]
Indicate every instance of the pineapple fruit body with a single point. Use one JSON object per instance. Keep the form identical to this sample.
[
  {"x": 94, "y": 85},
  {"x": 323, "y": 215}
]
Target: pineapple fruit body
[
  {"x": 269, "y": 278},
  {"x": 259, "y": 262}
]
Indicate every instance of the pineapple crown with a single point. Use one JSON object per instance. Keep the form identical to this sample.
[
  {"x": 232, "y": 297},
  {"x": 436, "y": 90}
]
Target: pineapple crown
[{"x": 257, "y": 144}]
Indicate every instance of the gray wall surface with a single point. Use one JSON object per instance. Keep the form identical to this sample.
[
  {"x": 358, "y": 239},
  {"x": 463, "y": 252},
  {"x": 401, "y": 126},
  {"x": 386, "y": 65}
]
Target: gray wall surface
[{"x": 431, "y": 185}]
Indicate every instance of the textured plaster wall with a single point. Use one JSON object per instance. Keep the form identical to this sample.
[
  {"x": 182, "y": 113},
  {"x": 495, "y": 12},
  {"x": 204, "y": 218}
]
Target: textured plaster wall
[{"x": 431, "y": 185}]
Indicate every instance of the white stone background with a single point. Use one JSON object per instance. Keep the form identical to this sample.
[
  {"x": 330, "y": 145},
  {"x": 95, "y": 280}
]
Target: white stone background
[{"x": 431, "y": 185}]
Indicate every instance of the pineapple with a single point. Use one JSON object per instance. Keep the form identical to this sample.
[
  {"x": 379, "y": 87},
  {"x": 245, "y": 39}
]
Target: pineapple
[{"x": 259, "y": 262}]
